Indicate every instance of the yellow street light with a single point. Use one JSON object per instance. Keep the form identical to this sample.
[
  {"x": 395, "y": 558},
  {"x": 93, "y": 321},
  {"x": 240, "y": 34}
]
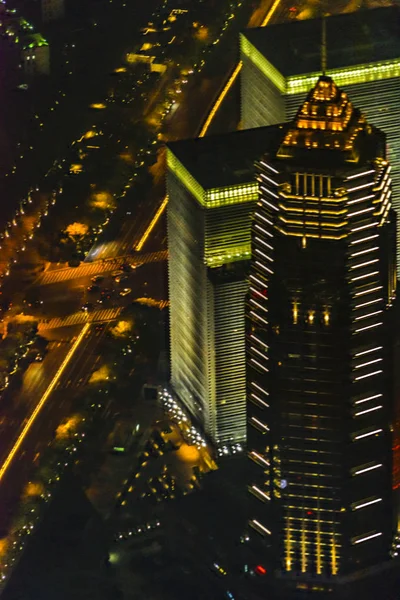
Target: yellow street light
[
  {"x": 206, "y": 125},
  {"x": 42, "y": 401}
]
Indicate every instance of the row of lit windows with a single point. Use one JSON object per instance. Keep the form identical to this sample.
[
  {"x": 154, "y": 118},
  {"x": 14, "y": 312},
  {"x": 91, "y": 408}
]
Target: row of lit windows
[
  {"x": 362, "y": 74},
  {"x": 232, "y": 192},
  {"x": 228, "y": 255}
]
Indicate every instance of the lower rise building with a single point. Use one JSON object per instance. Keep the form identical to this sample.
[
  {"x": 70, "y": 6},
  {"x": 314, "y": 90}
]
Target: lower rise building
[{"x": 212, "y": 193}]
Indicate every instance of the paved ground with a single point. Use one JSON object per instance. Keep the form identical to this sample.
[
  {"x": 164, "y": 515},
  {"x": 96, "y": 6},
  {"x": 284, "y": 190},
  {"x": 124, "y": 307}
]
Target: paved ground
[
  {"x": 96, "y": 267},
  {"x": 79, "y": 318}
]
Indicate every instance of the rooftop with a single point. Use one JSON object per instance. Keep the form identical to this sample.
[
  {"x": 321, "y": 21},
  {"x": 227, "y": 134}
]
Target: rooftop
[
  {"x": 328, "y": 123},
  {"x": 225, "y": 160},
  {"x": 362, "y": 37}
]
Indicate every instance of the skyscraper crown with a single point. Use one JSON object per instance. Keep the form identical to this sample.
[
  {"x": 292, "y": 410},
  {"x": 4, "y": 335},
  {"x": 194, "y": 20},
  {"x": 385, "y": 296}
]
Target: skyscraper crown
[{"x": 326, "y": 120}]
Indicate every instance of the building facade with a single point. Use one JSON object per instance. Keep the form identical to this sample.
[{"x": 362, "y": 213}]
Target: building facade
[
  {"x": 209, "y": 244},
  {"x": 35, "y": 56},
  {"x": 282, "y": 62},
  {"x": 319, "y": 349},
  {"x": 212, "y": 192}
]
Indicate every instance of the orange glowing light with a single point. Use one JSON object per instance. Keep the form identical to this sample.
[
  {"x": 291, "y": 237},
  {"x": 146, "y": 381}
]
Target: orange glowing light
[
  {"x": 233, "y": 77},
  {"x": 220, "y": 99},
  {"x": 152, "y": 224},
  {"x": 42, "y": 402},
  {"x": 207, "y": 124}
]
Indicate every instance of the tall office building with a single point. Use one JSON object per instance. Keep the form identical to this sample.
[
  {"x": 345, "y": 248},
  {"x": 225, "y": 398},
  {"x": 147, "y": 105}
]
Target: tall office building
[
  {"x": 212, "y": 193},
  {"x": 282, "y": 62},
  {"x": 319, "y": 350}
]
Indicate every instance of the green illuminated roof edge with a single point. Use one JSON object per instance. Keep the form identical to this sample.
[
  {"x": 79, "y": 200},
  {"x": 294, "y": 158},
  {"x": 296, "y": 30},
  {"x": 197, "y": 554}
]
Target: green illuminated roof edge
[
  {"x": 190, "y": 183},
  {"x": 262, "y": 63},
  {"x": 205, "y": 197},
  {"x": 296, "y": 84},
  {"x": 346, "y": 76}
]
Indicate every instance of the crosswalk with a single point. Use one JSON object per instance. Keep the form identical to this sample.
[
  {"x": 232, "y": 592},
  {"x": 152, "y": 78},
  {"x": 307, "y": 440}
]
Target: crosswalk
[
  {"x": 90, "y": 269},
  {"x": 80, "y": 318},
  {"x": 84, "y": 270}
]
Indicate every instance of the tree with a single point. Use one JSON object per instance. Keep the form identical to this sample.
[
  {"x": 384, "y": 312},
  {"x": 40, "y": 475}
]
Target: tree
[
  {"x": 101, "y": 375},
  {"x": 102, "y": 201},
  {"x": 77, "y": 230},
  {"x": 122, "y": 329}
]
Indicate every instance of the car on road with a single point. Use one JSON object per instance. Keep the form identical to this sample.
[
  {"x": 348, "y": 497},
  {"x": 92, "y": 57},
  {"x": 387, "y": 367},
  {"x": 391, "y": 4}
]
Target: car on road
[
  {"x": 117, "y": 273},
  {"x": 127, "y": 268},
  {"x": 121, "y": 278},
  {"x": 97, "y": 279},
  {"x": 218, "y": 569},
  {"x": 34, "y": 303},
  {"x": 125, "y": 292},
  {"x": 87, "y": 306},
  {"x": 93, "y": 288},
  {"x": 105, "y": 298}
]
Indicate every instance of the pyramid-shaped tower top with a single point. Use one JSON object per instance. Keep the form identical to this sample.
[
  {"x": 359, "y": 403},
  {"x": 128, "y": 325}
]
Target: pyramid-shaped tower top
[
  {"x": 326, "y": 108},
  {"x": 326, "y": 121}
]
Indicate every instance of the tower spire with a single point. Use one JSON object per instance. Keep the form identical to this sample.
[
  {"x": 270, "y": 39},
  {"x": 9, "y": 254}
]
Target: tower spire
[{"x": 323, "y": 46}]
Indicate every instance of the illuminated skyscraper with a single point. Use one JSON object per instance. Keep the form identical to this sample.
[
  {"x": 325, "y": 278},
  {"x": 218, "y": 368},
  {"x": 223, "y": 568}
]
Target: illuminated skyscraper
[
  {"x": 319, "y": 350},
  {"x": 212, "y": 193},
  {"x": 282, "y": 62}
]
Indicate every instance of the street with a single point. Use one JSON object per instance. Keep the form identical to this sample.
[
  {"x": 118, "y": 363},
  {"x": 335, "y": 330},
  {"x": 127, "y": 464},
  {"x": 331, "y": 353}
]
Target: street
[
  {"x": 99, "y": 266},
  {"x": 36, "y": 382}
]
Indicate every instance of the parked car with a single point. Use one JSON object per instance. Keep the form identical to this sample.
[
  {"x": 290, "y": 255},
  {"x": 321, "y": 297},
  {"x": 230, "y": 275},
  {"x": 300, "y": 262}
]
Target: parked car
[
  {"x": 87, "y": 306},
  {"x": 97, "y": 279},
  {"x": 125, "y": 292}
]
